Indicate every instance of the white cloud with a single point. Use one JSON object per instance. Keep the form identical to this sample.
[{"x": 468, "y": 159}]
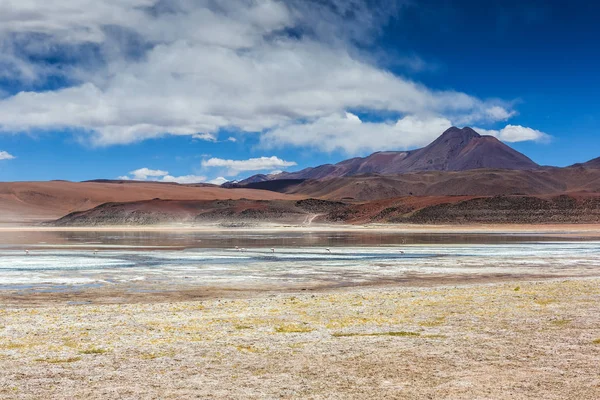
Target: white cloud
[
  {"x": 157, "y": 175},
  {"x": 218, "y": 181},
  {"x": 234, "y": 167},
  {"x": 144, "y": 173},
  {"x": 6, "y": 156},
  {"x": 184, "y": 179},
  {"x": 516, "y": 133},
  {"x": 142, "y": 69},
  {"x": 346, "y": 132}
]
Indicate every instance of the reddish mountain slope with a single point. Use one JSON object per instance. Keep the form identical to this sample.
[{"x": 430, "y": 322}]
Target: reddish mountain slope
[
  {"x": 480, "y": 182},
  {"x": 455, "y": 150}
]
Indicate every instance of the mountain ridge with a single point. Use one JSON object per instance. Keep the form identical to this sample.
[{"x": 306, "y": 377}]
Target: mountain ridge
[{"x": 455, "y": 149}]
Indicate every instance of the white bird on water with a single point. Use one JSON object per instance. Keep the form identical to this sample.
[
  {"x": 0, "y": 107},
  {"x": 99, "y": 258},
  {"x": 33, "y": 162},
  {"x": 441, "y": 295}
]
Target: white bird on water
[{"x": 26, "y": 251}]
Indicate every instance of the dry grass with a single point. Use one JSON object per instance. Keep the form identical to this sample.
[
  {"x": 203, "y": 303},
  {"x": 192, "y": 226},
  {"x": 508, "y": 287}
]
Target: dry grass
[
  {"x": 93, "y": 350},
  {"x": 58, "y": 360},
  {"x": 293, "y": 328},
  {"x": 396, "y": 334},
  {"x": 477, "y": 341}
]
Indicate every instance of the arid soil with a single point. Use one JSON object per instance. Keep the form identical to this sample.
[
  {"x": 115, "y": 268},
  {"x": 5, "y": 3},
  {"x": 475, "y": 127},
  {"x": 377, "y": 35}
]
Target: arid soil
[
  {"x": 520, "y": 340},
  {"x": 31, "y": 202},
  {"x": 580, "y": 208},
  {"x": 228, "y": 212},
  {"x": 456, "y": 210}
]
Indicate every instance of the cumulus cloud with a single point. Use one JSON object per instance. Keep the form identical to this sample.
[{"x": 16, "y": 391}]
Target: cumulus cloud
[
  {"x": 234, "y": 167},
  {"x": 184, "y": 179},
  {"x": 157, "y": 175},
  {"x": 144, "y": 173},
  {"x": 516, "y": 133},
  {"x": 346, "y": 132},
  {"x": 4, "y": 155},
  {"x": 218, "y": 181},
  {"x": 141, "y": 69}
]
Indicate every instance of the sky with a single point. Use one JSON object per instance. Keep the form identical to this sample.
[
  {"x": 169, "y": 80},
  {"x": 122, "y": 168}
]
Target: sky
[{"x": 217, "y": 90}]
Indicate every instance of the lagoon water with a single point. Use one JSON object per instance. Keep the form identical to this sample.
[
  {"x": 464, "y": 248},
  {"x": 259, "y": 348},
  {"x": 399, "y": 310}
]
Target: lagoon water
[{"x": 150, "y": 260}]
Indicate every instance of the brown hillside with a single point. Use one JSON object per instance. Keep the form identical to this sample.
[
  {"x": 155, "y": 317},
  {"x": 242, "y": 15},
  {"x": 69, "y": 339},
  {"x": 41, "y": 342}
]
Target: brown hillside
[
  {"x": 30, "y": 202},
  {"x": 480, "y": 182}
]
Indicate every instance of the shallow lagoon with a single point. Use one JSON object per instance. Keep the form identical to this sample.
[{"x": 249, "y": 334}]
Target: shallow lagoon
[{"x": 155, "y": 260}]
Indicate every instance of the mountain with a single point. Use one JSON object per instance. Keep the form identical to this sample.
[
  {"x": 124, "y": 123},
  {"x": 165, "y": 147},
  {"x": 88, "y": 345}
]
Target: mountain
[
  {"x": 476, "y": 182},
  {"x": 594, "y": 164},
  {"x": 455, "y": 150}
]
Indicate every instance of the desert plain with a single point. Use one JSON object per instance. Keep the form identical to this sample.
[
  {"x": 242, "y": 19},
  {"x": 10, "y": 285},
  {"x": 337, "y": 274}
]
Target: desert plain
[{"x": 521, "y": 340}]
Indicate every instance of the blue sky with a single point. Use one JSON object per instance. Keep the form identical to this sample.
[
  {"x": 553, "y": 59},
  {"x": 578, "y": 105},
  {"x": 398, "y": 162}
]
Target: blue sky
[{"x": 193, "y": 91}]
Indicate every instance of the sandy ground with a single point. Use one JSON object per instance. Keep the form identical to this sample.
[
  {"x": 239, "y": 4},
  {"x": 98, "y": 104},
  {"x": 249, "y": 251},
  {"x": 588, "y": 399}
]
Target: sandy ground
[{"x": 526, "y": 340}]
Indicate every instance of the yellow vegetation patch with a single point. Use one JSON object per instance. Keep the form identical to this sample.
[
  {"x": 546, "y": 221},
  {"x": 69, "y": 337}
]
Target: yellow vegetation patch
[
  {"x": 11, "y": 346},
  {"x": 397, "y": 333},
  {"x": 58, "y": 360},
  {"x": 433, "y": 322},
  {"x": 93, "y": 350},
  {"x": 544, "y": 302},
  {"x": 560, "y": 322},
  {"x": 157, "y": 354},
  {"x": 249, "y": 349},
  {"x": 293, "y": 329}
]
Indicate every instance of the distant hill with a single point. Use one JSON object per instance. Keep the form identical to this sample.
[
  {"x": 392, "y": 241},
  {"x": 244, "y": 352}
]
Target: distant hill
[
  {"x": 32, "y": 202},
  {"x": 595, "y": 164},
  {"x": 579, "y": 208},
  {"x": 455, "y": 150}
]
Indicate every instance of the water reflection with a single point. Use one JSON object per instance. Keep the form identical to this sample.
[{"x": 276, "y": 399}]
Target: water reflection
[{"x": 254, "y": 239}]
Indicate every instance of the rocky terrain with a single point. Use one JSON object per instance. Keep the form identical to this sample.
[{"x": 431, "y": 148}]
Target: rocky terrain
[
  {"x": 226, "y": 212},
  {"x": 469, "y": 210},
  {"x": 581, "y": 208}
]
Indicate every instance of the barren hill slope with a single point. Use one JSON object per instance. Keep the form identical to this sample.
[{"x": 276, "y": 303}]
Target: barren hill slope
[
  {"x": 479, "y": 182},
  {"x": 26, "y": 202}
]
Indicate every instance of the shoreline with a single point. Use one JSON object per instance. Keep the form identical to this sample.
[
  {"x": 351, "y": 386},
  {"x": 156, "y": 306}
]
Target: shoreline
[
  {"x": 31, "y": 298},
  {"x": 401, "y": 228}
]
